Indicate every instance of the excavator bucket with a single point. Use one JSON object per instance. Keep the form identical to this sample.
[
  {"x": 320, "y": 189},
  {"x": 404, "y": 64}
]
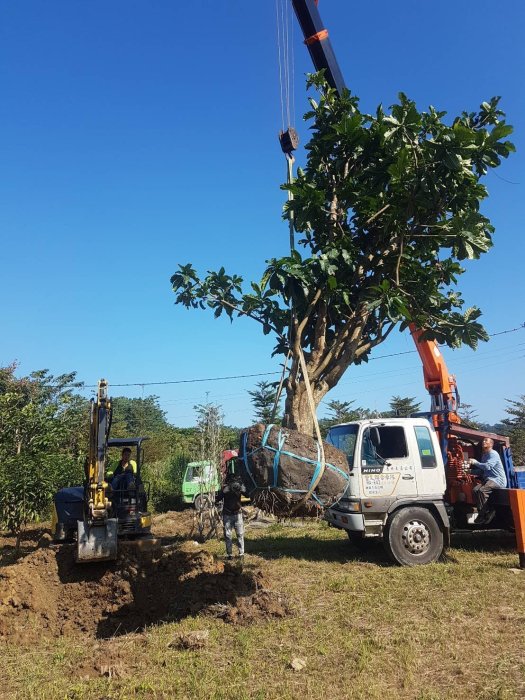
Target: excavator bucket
[{"x": 97, "y": 542}]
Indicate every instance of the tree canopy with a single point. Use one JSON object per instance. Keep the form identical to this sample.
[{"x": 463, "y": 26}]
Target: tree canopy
[{"x": 385, "y": 210}]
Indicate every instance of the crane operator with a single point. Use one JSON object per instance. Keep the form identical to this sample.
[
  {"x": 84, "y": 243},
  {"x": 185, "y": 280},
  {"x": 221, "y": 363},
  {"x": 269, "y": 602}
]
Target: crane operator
[
  {"x": 124, "y": 472},
  {"x": 492, "y": 474}
]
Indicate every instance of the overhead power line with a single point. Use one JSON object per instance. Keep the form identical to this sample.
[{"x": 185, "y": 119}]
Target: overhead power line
[
  {"x": 410, "y": 352},
  {"x": 510, "y": 330},
  {"x": 186, "y": 381}
]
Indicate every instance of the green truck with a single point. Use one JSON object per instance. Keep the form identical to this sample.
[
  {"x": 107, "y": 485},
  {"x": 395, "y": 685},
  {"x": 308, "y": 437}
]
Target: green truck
[
  {"x": 202, "y": 479},
  {"x": 200, "y": 482}
]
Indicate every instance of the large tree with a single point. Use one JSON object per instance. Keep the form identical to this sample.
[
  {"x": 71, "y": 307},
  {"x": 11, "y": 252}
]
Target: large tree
[{"x": 385, "y": 209}]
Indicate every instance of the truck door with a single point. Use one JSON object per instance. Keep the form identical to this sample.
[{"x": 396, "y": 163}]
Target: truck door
[
  {"x": 387, "y": 469},
  {"x": 430, "y": 475}
]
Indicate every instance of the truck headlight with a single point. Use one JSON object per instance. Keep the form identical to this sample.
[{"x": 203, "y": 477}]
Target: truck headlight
[{"x": 350, "y": 506}]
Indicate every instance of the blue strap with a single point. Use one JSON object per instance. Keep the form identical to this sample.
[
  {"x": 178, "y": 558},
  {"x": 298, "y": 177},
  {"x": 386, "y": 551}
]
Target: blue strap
[
  {"x": 317, "y": 468},
  {"x": 265, "y": 436},
  {"x": 279, "y": 451},
  {"x": 281, "y": 439},
  {"x": 245, "y": 457}
]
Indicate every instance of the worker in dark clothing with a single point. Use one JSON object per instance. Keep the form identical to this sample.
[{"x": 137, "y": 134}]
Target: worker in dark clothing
[{"x": 230, "y": 495}]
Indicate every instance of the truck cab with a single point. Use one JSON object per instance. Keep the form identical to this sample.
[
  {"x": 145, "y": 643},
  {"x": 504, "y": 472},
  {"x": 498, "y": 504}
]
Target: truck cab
[
  {"x": 396, "y": 490},
  {"x": 199, "y": 483},
  {"x": 202, "y": 480}
]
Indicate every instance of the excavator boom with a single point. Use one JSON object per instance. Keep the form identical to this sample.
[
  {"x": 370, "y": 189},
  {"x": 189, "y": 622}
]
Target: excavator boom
[{"x": 97, "y": 532}]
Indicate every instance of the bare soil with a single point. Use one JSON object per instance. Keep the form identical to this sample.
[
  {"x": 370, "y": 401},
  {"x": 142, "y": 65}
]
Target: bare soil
[{"x": 46, "y": 594}]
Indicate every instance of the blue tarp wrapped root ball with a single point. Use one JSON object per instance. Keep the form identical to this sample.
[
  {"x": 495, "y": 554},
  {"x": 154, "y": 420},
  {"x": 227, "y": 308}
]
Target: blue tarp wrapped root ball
[{"x": 278, "y": 467}]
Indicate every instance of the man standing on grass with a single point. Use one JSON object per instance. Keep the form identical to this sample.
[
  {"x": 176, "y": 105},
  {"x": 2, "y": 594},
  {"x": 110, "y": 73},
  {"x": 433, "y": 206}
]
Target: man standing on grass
[
  {"x": 232, "y": 519},
  {"x": 490, "y": 471}
]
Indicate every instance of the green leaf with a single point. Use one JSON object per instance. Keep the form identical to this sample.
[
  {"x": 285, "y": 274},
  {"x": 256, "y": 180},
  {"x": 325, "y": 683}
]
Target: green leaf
[
  {"x": 500, "y": 131},
  {"x": 451, "y": 160}
]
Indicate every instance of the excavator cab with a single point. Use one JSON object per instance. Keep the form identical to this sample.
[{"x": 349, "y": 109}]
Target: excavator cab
[{"x": 129, "y": 494}]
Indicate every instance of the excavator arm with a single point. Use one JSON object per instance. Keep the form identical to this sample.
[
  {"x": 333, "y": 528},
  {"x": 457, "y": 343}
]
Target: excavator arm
[
  {"x": 97, "y": 502},
  {"x": 97, "y": 532}
]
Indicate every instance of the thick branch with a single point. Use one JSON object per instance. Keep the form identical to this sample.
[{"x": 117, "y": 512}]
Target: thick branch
[
  {"x": 321, "y": 326},
  {"x": 302, "y": 325}
]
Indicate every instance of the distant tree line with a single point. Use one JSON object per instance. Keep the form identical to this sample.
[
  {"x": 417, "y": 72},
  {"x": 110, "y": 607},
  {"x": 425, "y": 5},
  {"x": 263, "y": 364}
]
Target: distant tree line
[{"x": 44, "y": 429}]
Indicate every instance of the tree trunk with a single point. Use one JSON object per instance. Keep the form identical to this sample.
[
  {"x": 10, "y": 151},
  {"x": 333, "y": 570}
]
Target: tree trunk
[{"x": 297, "y": 411}]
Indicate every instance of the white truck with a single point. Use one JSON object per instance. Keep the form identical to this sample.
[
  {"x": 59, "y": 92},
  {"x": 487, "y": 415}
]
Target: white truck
[{"x": 402, "y": 492}]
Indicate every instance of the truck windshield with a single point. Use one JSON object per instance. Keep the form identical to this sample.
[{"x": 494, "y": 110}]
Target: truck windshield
[
  {"x": 198, "y": 472},
  {"x": 344, "y": 438}
]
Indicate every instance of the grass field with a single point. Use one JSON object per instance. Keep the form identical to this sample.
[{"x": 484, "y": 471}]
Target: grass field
[{"x": 364, "y": 628}]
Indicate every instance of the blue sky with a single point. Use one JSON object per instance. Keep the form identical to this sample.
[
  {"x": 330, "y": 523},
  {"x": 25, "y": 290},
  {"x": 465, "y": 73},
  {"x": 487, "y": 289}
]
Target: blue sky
[{"x": 138, "y": 135}]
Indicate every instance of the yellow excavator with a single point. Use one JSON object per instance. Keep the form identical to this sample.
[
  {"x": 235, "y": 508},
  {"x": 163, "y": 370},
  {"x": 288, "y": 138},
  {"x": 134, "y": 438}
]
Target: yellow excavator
[{"x": 103, "y": 510}]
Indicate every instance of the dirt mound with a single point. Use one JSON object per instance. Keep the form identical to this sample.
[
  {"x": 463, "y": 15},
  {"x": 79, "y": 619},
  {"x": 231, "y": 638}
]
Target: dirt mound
[
  {"x": 173, "y": 525},
  {"x": 47, "y": 594}
]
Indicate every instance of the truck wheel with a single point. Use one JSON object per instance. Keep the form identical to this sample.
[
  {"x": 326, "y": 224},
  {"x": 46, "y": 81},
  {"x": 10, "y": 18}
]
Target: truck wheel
[
  {"x": 413, "y": 537},
  {"x": 202, "y": 501}
]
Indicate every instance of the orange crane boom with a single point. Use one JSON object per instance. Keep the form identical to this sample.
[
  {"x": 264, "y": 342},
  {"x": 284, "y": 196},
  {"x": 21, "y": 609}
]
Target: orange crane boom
[{"x": 440, "y": 384}]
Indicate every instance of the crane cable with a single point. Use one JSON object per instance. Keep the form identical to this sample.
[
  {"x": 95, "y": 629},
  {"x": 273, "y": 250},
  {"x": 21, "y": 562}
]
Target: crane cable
[
  {"x": 302, "y": 362},
  {"x": 286, "y": 61},
  {"x": 283, "y": 53},
  {"x": 283, "y": 31}
]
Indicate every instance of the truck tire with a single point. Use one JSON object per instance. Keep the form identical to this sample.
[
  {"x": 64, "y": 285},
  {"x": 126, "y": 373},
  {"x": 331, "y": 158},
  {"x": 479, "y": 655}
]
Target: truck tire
[
  {"x": 413, "y": 537},
  {"x": 202, "y": 501}
]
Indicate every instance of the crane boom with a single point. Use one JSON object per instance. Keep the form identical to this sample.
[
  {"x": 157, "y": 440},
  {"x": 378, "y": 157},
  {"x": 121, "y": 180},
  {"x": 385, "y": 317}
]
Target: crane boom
[
  {"x": 440, "y": 384},
  {"x": 318, "y": 42}
]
